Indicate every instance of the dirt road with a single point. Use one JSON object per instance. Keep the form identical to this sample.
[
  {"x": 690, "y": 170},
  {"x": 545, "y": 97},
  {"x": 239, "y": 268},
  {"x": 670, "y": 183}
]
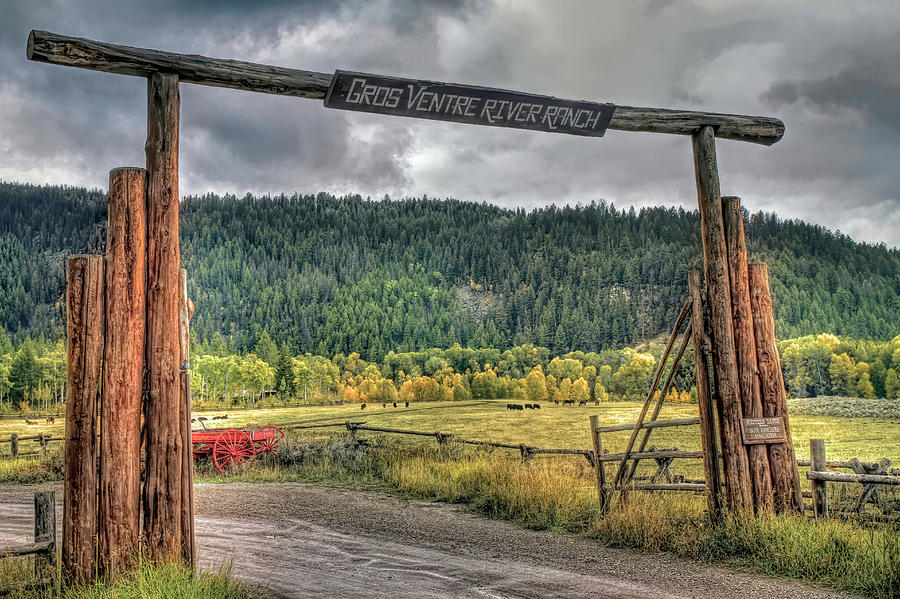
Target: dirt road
[{"x": 312, "y": 541}]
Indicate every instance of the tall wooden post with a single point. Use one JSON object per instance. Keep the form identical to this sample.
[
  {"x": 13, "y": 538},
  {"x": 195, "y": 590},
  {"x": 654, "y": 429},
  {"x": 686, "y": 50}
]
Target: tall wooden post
[
  {"x": 84, "y": 331},
  {"x": 782, "y": 459},
  {"x": 123, "y": 370},
  {"x": 737, "y": 476},
  {"x": 188, "y": 544},
  {"x": 704, "y": 399},
  {"x": 745, "y": 348},
  {"x": 165, "y": 443}
]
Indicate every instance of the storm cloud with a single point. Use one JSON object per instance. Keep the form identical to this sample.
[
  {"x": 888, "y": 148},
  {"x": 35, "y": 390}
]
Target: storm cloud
[{"x": 828, "y": 69}]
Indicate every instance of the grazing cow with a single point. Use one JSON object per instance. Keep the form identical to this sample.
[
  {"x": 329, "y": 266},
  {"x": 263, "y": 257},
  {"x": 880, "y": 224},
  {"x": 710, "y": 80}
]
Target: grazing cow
[
  {"x": 362, "y": 407},
  {"x": 568, "y": 402},
  {"x": 51, "y": 420},
  {"x": 536, "y": 407},
  {"x": 384, "y": 405},
  {"x": 395, "y": 404},
  {"x": 516, "y": 406},
  {"x": 407, "y": 404},
  {"x": 509, "y": 406},
  {"x": 583, "y": 402},
  {"x": 556, "y": 401},
  {"x": 597, "y": 402}
]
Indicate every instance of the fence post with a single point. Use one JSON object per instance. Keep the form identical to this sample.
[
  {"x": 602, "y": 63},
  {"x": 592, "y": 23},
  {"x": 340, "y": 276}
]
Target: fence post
[
  {"x": 43, "y": 438},
  {"x": 85, "y": 341},
  {"x": 14, "y": 445},
  {"x": 599, "y": 465},
  {"x": 123, "y": 371},
  {"x": 819, "y": 487},
  {"x": 165, "y": 440},
  {"x": 45, "y": 530},
  {"x": 715, "y": 259}
]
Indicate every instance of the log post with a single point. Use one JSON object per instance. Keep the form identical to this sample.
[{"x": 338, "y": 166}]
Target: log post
[
  {"x": 84, "y": 309},
  {"x": 782, "y": 459},
  {"x": 704, "y": 399},
  {"x": 123, "y": 370},
  {"x": 745, "y": 348},
  {"x": 14, "y": 445},
  {"x": 819, "y": 487},
  {"x": 737, "y": 475},
  {"x": 599, "y": 465},
  {"x": 165, "y": 436},
  {"x": 45, "y": 530},
  {"x": 188, "y": 543}
]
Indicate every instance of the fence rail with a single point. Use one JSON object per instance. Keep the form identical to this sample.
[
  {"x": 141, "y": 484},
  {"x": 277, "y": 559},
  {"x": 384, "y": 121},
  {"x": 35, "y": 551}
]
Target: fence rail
[
  {"x": 43, "y": 548},
  {"x": 869, "y": 475},
  {"x": 43, "y": 440}
]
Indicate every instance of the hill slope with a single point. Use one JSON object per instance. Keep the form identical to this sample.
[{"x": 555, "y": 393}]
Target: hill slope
[{"x": 326, "y": 274}]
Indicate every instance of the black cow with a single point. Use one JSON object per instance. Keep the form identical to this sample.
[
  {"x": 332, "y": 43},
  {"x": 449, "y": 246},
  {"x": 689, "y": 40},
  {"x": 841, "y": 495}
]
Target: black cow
[
  {"x": 362, "y": 407},
  {"x": 568, "y": 402},
  {"x": 407, "y": 404},
  {"x": 536, "y": 407},
  {"x": 583, "y": 402},
  {"x": 395, "y": 404}
]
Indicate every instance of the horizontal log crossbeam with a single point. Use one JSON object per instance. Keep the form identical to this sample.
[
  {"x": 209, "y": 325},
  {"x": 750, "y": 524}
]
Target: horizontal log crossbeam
[
  {"x": 26, "y": 549},
  {"x": 53, "y": 48}
]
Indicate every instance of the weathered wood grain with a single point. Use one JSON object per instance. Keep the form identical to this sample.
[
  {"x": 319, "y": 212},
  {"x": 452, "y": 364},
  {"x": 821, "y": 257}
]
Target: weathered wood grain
[
  {"x": 599, "y": 465},
  {"x": 715, "y": 259},
  {"x": 819, "y": 486},
  {"x": 782, "y": 459},
  {"x": 704, "y": 399},
  {"x": 85, "y": 335},
  {"x": 164, "y": 434},
  {"x": 45, "y": 532},
  {"x": 64, "y": 50},
  {"x": 123, "y": 371},
  {"x": 745, "y": 348},
  {"x": 188, "y": 542}
]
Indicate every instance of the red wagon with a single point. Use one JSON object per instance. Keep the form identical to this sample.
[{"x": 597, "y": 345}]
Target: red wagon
[{"x": 228, "y": 447}]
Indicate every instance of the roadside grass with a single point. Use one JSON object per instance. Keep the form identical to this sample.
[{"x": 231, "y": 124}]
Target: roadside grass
[{"x": 165, "y": 580}]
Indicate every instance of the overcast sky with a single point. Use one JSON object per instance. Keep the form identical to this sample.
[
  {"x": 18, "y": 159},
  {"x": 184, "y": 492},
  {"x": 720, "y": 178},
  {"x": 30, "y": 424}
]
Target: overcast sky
[{"x": 829, "y": 70}]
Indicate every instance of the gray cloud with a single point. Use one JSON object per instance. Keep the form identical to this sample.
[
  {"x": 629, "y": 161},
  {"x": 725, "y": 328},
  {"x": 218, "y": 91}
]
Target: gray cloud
[{"x": 827, "y": 68}]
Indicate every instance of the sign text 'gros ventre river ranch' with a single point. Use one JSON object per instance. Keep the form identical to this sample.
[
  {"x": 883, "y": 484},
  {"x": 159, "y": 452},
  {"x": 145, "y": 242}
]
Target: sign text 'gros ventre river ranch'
[{"x": 466, "y": 104}]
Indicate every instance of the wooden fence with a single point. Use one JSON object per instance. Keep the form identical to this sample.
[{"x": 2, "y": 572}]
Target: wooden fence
[
  {"x": 870, "y": 475},
  {"x": 43, "y": 548},
  {"x": 15, "y": 450}
]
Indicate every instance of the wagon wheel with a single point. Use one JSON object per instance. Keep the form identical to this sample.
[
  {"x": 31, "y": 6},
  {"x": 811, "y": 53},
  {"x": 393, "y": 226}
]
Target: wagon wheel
[
  {"x": 232, "y": 447},
  {"x": 268, "y": 445}
]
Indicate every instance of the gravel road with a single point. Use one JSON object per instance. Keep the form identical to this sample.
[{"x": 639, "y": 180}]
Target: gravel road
[{"x": 311, "y": 541}]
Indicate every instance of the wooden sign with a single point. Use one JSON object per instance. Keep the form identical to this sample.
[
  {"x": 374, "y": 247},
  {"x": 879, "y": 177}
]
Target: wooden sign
[
  {"x": 763, "y": 430},
  {"x": 466, "y": 104}
]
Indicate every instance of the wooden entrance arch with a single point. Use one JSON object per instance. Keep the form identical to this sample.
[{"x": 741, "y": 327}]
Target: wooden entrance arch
[{"x": 743, "y": 374}]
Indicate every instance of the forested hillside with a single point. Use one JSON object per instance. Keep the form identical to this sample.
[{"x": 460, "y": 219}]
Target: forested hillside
[{"x": 333, "y": 275}]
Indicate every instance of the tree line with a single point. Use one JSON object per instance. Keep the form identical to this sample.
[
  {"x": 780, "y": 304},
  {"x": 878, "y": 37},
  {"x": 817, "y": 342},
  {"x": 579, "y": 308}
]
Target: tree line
[
  {"x": 325, "y": 275},
  {"x": 33, "y": 374}
]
